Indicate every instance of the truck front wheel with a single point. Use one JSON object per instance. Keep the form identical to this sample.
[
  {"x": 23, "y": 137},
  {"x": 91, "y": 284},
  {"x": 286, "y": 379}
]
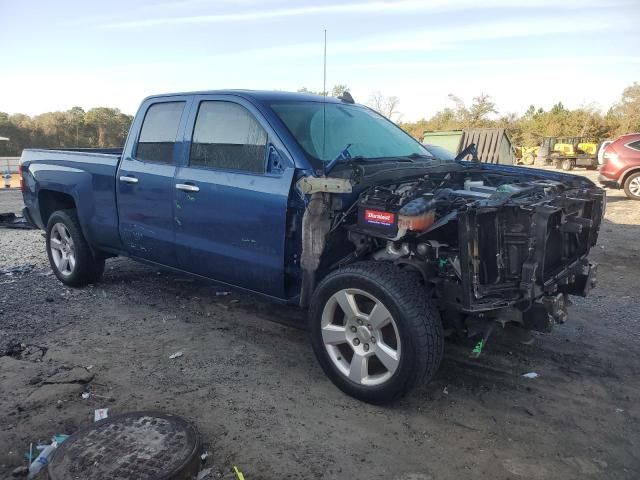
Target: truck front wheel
[
  {"x": 69, "y": 254},
  {"x": 374, "y": 332}
]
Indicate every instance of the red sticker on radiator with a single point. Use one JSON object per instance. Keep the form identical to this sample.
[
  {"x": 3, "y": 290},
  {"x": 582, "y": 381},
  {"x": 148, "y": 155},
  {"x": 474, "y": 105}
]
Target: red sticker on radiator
[{"x": 379, "y": 218}]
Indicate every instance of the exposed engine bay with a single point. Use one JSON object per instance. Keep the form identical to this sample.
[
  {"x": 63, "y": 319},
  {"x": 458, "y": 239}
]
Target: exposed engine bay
[{"x": 489, "y": 245}]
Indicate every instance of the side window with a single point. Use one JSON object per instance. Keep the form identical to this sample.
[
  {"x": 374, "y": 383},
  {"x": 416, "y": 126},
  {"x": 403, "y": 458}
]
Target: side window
[
  {"x": 635, "y": 145},
  {"x": 227, "y": 136},
  {"x": 159, "y": 131}
]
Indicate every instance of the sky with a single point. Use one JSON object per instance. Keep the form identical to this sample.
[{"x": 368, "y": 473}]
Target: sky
[{"x": 58, "y": 54}]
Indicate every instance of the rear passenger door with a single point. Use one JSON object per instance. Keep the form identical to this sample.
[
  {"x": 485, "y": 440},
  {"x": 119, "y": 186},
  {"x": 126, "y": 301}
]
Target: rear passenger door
[
  {"x": 145, "y": 181},
  {"x": 232, "y": 195}
]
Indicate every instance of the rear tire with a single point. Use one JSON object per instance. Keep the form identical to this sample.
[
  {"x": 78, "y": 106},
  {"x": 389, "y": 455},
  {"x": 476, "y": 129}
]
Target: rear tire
[
  {"x": 71, "y": 259},
  {"x": 632, "y": 186},
  {"x": 385, "y": 341}
]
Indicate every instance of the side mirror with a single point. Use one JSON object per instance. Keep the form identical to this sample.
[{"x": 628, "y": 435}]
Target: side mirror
[{"x": 275, "y": 164}]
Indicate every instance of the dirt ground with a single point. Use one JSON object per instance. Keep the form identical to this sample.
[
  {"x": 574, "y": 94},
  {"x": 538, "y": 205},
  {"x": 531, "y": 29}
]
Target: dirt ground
[{"x": 249, "y": 381}]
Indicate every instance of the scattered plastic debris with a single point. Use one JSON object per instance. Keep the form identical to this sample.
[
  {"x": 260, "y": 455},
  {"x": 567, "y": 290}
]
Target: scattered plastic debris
[
  {"x": 42, "y": 460},
  {"x": 530, "y": 375},
  {"x": 100, "y": 414},
  {"x": 204, "y": 456},
  {"x": 204, "y": 473},
  {"x": 477, "y": 350},
  {"x": 619, "y": 410},
  {"x": 175, "y": 355},
  {"x": 222, "y": 294},
  {"x": 86, "y": 395},
  {"x": 445, "y": 390},
  {"x": 238, "y": 473},
  {"x": 90, "y": 367}
]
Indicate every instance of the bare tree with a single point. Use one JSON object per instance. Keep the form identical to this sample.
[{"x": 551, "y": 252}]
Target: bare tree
[{"x": 387, "y": 106}]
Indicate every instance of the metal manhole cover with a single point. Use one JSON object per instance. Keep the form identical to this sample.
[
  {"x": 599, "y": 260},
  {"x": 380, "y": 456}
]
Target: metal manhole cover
[{"x": 140, "y": 445}]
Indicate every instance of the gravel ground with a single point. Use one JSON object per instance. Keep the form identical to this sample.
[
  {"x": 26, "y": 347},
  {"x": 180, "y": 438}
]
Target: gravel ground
[{"x": 249, "y": 381}]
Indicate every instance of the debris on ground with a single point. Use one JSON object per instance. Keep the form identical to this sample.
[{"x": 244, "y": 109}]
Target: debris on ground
[
  {"x": 222, "y": 294},
  {"x": 445, "y": 390},
  {"x": 175, "y": 355},
  {"x": 11, "y": 220},
  {"x": 18, "y": 270},
  {"x": 85, "y": 395},
  {"x": 204, "y": 456},
  {"x": 100, "y": 414},
  {"x": 238, "y": 473},
  {"x": 530, "y": 375},
  {"x": 204, "y": 473},
  {"x": 42, "y": 460}
]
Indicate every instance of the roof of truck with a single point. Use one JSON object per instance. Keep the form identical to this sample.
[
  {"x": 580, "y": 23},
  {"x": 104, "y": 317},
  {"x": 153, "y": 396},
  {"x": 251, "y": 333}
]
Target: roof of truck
[{"x": 260, "y": 95}]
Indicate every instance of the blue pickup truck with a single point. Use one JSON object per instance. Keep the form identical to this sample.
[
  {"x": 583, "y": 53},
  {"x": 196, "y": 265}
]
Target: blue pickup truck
[{"x": 391, "y": 245}]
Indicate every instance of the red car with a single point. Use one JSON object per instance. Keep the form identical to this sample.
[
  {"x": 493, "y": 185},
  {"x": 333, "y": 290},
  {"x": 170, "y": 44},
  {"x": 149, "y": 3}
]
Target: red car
[{"x": 621, "y": 166}]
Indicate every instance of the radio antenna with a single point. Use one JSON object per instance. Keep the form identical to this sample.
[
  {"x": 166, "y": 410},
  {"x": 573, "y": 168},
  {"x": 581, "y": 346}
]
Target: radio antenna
[{"x": 324, "y": 105}]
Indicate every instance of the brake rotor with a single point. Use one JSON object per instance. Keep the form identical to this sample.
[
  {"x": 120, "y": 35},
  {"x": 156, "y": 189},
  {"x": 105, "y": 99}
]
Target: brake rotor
[{"x": 138, "y": 445}]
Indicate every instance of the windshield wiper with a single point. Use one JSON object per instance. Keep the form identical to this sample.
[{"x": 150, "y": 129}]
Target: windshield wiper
[{"x": 344, "y": 155}]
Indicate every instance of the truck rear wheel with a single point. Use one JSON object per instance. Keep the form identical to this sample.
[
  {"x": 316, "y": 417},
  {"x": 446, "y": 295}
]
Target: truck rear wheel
[
  {"x": 374, "y": 332},
  {"x": 69, "y": 254}
]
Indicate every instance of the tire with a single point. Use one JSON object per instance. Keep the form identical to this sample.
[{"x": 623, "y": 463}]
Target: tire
[
  {"x": 567, "y": 165},
  {"x": 66, "y": 241},
  {"x": 632, "y": 186},
  {"x": 528, "y": 159},
  {"x": 399, "y": 365}
]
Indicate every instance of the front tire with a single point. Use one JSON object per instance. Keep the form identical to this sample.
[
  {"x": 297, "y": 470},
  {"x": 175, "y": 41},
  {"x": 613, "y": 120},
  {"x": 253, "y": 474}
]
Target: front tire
[
  {"x": 632, "y": 186},
  {"x": 71, "y": 259},
  {"x": 374, "y": 332},
  {"x": 567, "y": 165}
]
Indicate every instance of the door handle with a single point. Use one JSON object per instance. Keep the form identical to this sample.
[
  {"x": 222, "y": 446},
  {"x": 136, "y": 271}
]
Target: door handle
[
  {"x": 127, "y": 179},
  {"x": 186, "y": 187}
]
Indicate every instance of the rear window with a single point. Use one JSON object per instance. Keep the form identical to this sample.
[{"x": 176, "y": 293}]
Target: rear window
[{"x": 159, "y": 132}]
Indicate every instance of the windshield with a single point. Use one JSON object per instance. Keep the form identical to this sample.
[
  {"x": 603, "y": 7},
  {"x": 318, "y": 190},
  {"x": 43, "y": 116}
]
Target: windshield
[
  {"x": 440, "y": 153},
  {"x": 370, "y": 135}
]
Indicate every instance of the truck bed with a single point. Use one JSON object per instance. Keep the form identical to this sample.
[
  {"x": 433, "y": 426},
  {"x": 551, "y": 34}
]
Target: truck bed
[{"x": 85, "y": 175}]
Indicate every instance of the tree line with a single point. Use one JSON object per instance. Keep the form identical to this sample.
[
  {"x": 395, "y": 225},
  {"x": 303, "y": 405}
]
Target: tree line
[
  {"x": 535, "y": 123},
  {"x": 107, "y": 127},
  {"x": 96, "y": 128}
]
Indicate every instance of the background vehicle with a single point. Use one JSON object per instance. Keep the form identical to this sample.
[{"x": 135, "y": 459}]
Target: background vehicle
[
  {"x": 328, "y": 205},
  {"x": 568, "y": 152},
  {"x": 493, "y": 144},
  {"x": 603, "y": 146},
  {"x": 526, "y": 155},
  {"x": 621, "y": 167}
]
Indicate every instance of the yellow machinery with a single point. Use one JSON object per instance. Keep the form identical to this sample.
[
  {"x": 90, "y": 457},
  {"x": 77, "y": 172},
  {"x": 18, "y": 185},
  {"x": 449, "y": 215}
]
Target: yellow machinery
[
  {"x": 568, "y": 152},
  {"x": 526, "y": 155}
]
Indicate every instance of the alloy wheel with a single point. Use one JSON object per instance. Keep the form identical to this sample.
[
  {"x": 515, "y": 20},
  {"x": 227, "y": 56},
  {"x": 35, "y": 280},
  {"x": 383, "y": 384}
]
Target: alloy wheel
[{"x": 361, "y": 337}]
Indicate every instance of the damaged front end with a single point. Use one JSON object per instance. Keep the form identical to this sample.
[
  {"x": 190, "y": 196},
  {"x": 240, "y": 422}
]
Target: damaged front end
[{"x": 493, "y": 245}]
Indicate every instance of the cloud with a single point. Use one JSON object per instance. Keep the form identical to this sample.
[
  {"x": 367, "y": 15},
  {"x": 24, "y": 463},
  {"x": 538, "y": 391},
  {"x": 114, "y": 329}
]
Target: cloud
[{"x": 367, "y": 7}]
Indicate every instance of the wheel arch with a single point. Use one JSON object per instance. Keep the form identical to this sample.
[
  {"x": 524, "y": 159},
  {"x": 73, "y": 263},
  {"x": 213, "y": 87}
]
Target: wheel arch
[
  {"x": 51, "y": 201},
  {"x": 628, "y": 173}
]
